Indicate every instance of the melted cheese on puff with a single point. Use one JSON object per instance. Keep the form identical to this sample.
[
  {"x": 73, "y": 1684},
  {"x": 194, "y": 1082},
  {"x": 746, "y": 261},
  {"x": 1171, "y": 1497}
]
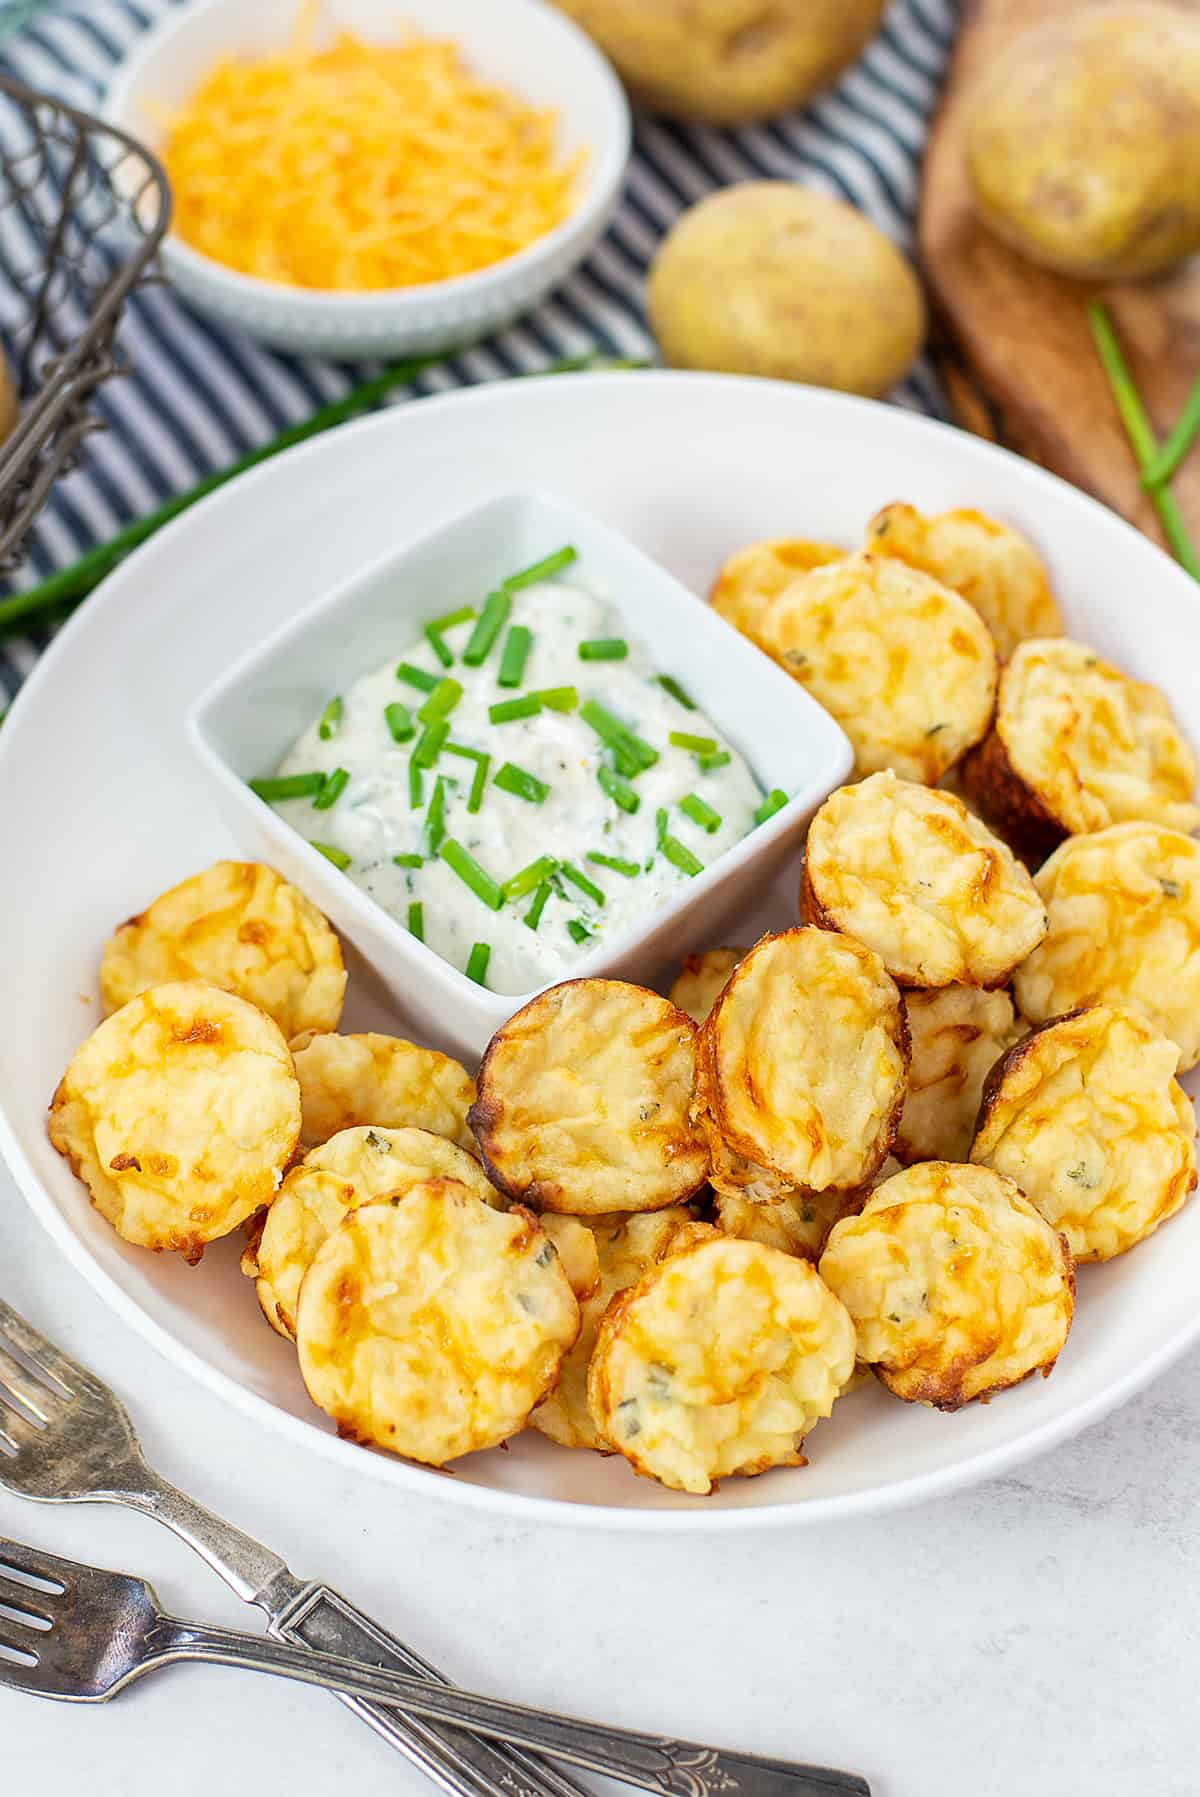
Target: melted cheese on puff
[{"x": 958, "y": 1033}]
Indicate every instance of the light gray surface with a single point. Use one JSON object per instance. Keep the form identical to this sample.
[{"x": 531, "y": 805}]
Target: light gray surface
[{"x": 1038, "y": 1634}]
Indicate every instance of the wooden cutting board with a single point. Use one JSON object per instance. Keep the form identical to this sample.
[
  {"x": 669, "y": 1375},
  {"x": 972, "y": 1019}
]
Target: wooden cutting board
[{"x": 1012, "y": 341}]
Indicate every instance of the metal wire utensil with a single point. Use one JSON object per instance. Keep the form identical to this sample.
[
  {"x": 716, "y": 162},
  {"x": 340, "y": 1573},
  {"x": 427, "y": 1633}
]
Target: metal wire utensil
[{"x": 83, "y": 208}]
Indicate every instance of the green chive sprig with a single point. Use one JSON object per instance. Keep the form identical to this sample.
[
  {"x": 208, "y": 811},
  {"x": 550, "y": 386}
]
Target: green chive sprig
[
  {"x": 521, "y": 784},
  {"x": 670, "y": 685},
  {"x": 579, "y": 930},
  {"x": 287, "y": 786},
  {"x": 536, "y": 874},
  {"x": 488, "y": 626},
  {"x": 707, "y": 763},
  {"x": 416, "y": 785},
  {"x": 409, "y": 860},
  {"x": 695, "y": 745},
  {"x": 543, "y": 570},
  {"x": 680, "y": 856},
  {"x": 482, "y": 764},
  {"x": 533, "y": 916},
  {"x": 416, "y": 920},
  {"x": 441, "y": 701},
  {"x": 477, "y": 962},
  {"x": 580, "y": 880},
  {"x": 435, "y": 817},
  {"x": 618, "y": 790},
  {"x": 335, "y": 785},
  {"x": 694, "y": 807},
  {"x": 509, "y": 710},
  {"x": 630, "y": 752},
  {"x": 439, "y": 645},
  {"x": 558, "y": 698},
  {"x": 416, "y": 677},
  {"x": 630, "y": 869},
  {"x": 775, "y": 801},
  {"x": 514, "y": 655},
  {"x": 398, "y": 719},
  {"x": 462, "y": 615},
  {"x": 338, "y": 857},
  {"x": 475, "y": 878},
  {"x": 430, "y": 743},
  {"x": 331, "y": 717},
  {"x": 604, "y": 648}
]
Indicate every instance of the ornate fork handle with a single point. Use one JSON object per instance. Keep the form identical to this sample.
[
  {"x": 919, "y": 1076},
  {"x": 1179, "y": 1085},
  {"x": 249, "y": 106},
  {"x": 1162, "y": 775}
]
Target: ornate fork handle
[{"x": 655, "y": 1763}]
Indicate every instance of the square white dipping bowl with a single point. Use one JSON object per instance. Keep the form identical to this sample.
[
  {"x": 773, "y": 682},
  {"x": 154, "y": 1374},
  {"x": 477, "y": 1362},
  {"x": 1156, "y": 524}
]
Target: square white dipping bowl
[{"x": 243, "y": 726}]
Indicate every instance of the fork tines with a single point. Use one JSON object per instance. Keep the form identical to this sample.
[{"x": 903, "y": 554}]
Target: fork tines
[{"x": 62, "y": 1376}]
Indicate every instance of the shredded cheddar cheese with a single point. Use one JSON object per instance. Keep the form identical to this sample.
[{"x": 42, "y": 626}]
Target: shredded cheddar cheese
[{"x": 362, "y": 166}]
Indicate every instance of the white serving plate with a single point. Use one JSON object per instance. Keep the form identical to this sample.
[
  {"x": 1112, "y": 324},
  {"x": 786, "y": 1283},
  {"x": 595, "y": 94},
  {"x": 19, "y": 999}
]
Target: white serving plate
[
  {"x": 247, "y": 721},
  {"x": 102, "y": 804}
]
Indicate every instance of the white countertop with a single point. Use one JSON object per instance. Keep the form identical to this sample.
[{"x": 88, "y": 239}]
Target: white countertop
[{"x": 1039, "y": 1634}]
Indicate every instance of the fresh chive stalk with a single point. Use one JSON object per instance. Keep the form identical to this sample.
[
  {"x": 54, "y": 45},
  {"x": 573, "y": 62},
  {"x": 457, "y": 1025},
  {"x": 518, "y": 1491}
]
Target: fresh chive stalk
[
  {"x": 543, "y": 570},
  {"x": 435, "y": 817},
  {"x": 670, "y": 685},
  {"x": 488, "y": 626},
  {"x": 416, "y": 677},
  {"x": 339, "y": 857},
  {"x": 538, "y": 872},
  {"x": 680, "y": 856},
  {"x": 416, "y": 785},
  {"x": 441, "y": 701},
  {"x": 410, "y": 860},
  {"x": 604, "y": 648},
  {"x": 331, "y": 717},
  {"x": 479, "y": 781},
  {"x": 509, "y": 710},
  {"x": 430, "y": 743},
  {"x": 449, "y": 619},
  {"x": 476, "y": 878},
  {"x": 630, "y": 869},
  {"x": 521, "y": 784},
  {"x": 775, "y": 801},
  {"x": 439, "y": 645},
  {"x": 477, "y": 962},
  {"x": 335, "y": 785},
  {"x": 558, "y": 698},
  {"x": 707, "y": 763},
  {"x": 696, "y": 745},
  {"x": 586, "y": 886},
  {"x": 533, "y": 916},
  {"x": 660, "y": 825},
  {"x": 618, "y": 790},
  {"x": 630, "y": 753},
  {"x": 398, "y": 719},
  {"x": 700, "y": 813},
  {"x": 416, "y": 920},
  {"x": 579, "y": 930},
  {"x": 514, "y": 655},
  {"x": 287, "y": 786}
]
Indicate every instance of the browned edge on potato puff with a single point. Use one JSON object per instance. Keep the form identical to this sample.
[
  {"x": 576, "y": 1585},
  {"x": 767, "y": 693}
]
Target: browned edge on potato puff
[
  {"x": 1011, "y": 807},
  {"x": 1012, "y": 1057}
]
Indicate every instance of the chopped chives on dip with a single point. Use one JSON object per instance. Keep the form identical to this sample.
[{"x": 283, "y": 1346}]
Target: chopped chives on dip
[
  {"x": 514, "y": 655},
  {"x": 509, "y": 812},
  {"x": 331, "y": 717},
  {"x": 670, "y": 685},
  {"x": 339, "y": 857},
  {"x": 604, "y": 648},
  {"x": 287, "y": 786},
  {"x": 700, "y": 813},
  {"x": 416, "y": 920},
  {"x": 697, "y": 745},
  {"x": 520, "y": 784},
  {"x": 708, "y": 763},
  {"x": 439, "y": 645},
  {"x": 477, "y": 962},
  {"x": 543, "y": 570},
  {"x": 775, "y": 801},
  {"x": 335, "y": 785}
]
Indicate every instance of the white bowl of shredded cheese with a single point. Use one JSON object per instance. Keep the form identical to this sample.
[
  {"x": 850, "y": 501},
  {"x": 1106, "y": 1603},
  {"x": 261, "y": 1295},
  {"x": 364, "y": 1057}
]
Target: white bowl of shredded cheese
[{"x": 326, "y": 209}]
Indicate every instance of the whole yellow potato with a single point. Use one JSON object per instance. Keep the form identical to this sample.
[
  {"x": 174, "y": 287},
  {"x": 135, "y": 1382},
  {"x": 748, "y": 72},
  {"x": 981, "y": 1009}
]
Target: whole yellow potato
[
  {"x": 726, "y": 62},
  {"x": 769, "y": 278},
  {"x": 1083, "y": 147}
]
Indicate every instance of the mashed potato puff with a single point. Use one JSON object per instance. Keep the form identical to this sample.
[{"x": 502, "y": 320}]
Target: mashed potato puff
[
  {"x": 1124, "y": 911},
  {"x": 624, "y": 1246},
  {"x": 906, "y": 666},
  {"x": 958, "y": 1033},
  {"x": 240, "y": 926},
  {"x": 803, "y": 1060},
  {"x": 700, "y": 980},
  {"x": 798, "y": 1224},
  {"x": 179, "y": 1114},
  {"x": 718, "y": 1361},
  {"x": 1087, "y": 1117},
  {"x": 431, "y": 1325},
  {"x": 912, "y": 874},
  {"x": 575, "y": 1245},
  {"x": 584, "y": 1098},
  {"x": 350, "y": 1169},
  {"x": 349, "y": 1080},
  {"x": 993, "y": 566},
  {"x": 1077, "y": 746},
  {"x": 957, "y": 1287},
  {"x": 755, "y": 576}
]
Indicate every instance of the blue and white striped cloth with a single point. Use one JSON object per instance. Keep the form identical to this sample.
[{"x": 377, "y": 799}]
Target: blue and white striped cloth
[{"x": 199, "y": 396}]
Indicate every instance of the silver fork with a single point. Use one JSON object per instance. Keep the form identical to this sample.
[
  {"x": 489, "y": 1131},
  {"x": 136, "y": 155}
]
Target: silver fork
[
  {"x": 66, "y": 1438},
  {"x": 81, "y": 1635}
]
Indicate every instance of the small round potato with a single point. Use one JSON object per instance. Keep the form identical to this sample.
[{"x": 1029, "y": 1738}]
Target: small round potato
[
  {"x": 1077, "y": 746},
  {"x": 993, "y": 566},
  {"x": 431, "y": 1325},
  {"x": 350, "y": 1169},
  {"x": 1087, "y": 1117},
  {"x": 802, "y": 1062},
  {"x": 906, "y": 666},
  {"x": 1083, "y": 147},
  {"x": 349, "y": 1080},
  {"x": 179, "y": 1114},
  {"x": 958, "y": 1033},
  {"x": 624, "y": 1247},
  {"x": 798, "y": 1224},
  {"x": 726, "y": 62},
  {"x": 770, "y": 278},
  {"x": 1124, "y": 911},
  {"x": 957, "y": 1287},
  {"x": 701, "y": 979},
  {"x": 912, "y": 874},
  {"x": 240, "y": 926},
  {"x": 583, "y": 1101},
  {"x": 718, "y": 1361},
  {"x": 755, "y": 576}
]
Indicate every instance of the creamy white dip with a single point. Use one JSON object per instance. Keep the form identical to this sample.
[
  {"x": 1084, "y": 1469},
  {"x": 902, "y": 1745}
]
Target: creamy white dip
[{"x": 373, "y": 818}]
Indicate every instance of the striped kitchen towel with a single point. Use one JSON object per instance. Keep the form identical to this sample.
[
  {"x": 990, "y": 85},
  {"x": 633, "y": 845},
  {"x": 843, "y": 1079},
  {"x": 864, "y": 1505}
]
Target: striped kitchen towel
[{"x": 198, "y": 395}]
